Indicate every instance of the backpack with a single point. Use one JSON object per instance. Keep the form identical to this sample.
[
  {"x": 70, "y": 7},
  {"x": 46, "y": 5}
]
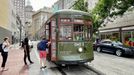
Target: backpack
[
  {"x": 38, "y": 45},
  {"x": 41, "y": 45},
  {"x": 1, "y": 49}
]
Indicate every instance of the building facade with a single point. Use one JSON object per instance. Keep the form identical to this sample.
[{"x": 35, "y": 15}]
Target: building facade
[
  {"x": 68, "y": 4},
  {"x": 122, "y": 29},
  {"x": 38, "y": 18},
  {"x": 28, "y": 19},
  {"x": 20, "y": 8},
  {"x": 8, "y": 26},
  {"x": 63, "y": 4}
]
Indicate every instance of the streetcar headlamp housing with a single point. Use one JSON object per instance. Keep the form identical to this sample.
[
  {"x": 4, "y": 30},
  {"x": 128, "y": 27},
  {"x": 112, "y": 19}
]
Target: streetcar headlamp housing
[{"x": 80, "y": 49}]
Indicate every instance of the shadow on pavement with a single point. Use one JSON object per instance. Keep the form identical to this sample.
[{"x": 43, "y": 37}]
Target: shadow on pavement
[
  {"x": 1, "y": 72},
  {"x": 23, "y": 69},
  {"x": 43, "y": 72}
]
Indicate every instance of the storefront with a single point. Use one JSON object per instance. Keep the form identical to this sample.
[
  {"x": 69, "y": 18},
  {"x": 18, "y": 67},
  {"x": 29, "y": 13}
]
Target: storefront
[
  {"x": 124, "y": 34},
  {"x": 128, "y": 35}
]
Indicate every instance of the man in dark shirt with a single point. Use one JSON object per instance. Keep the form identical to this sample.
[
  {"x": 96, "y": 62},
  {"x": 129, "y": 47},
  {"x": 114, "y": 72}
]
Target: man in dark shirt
[{"x": 26, "y": 51}]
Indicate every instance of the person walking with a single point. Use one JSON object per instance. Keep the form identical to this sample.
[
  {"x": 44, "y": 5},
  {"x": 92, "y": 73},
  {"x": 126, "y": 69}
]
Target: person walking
[
  {"x": 42, "y": 46},
  {"x": 5, "y": 47},
  {"x": 27, "y": 51}
]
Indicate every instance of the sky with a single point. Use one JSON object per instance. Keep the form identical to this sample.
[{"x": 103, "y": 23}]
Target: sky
[{"x": 37, "y": 4}]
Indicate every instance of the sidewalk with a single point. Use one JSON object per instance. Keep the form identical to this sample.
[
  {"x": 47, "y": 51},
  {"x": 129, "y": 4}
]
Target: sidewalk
[{"x": 15, "y": 62}]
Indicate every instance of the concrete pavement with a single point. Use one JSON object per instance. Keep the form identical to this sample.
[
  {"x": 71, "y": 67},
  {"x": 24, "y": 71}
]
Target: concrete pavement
[
  {"x": 35, "y": 68},
  {"x": 15, "y": 63}
]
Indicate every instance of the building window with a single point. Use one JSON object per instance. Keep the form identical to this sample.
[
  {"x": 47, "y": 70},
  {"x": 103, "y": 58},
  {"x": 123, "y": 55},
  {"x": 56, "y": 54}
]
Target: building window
[
  {"x": 113, "y": 36},
  {"x": 128, "y": 38}
]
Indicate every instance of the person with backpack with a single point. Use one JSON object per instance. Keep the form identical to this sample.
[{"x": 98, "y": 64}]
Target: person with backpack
[
  {"x": 42, "y": 46},
  {"x": 4, "y": 53},
  {"x": 26, "y": 51}
]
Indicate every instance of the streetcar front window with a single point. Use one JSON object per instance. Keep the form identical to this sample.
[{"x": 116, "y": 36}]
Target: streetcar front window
[
  {"x": 75, "y": 32},
  {"x": 74, "y": 29},
  {"x": 78, "y": 31},
  {"x": 65, "y": 33}
]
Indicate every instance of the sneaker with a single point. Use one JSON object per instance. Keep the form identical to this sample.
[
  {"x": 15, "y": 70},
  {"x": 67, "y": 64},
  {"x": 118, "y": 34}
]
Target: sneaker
[
  {"x": 25, "y": 63},
  {"x": 44, "y": 66},
  {"x": 41, "y": 67},
  {"x": 31, "y": 62}
]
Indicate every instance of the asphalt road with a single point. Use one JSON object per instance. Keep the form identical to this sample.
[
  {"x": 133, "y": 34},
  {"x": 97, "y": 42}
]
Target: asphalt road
[{"x": 111, "y": 64}]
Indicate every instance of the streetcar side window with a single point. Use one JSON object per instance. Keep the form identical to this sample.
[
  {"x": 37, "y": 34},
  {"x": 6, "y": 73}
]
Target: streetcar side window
[
  {"x": 78, "y": 32},
  {"x": 47, "y": 31}
]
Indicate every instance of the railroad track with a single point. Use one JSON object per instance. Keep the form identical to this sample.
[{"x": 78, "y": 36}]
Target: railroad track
[{"x": 78, "y": 70}]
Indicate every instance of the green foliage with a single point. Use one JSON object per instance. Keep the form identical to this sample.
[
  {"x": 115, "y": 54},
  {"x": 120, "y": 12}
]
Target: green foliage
[
  {"x": 121, "y": 6},
  {"x": 81, "y": 5},
  {"x": 101, "y": 12},
  {"x": 105, "y": 10}
]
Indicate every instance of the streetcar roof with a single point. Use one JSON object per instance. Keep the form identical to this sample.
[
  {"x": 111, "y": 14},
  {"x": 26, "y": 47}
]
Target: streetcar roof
[{"x": 68, "y": 11}]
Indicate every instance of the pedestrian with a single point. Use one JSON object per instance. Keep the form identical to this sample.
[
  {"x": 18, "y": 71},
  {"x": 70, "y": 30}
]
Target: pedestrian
[
  {"x": 27, "y": 51},
  {"x": 42, "y": 47},
  {"x": 5, "y": 47}
]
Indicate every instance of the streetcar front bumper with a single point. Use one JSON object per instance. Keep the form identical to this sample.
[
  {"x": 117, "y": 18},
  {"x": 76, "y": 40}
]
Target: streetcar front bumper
[{"x": 73, "y": 62}]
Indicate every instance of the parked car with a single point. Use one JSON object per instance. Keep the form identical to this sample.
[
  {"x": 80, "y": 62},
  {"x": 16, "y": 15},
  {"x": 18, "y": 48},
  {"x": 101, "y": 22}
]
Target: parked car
[{"x": 115, "y": 47}]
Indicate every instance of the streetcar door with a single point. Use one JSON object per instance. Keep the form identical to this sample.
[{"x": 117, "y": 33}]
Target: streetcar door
[
  {"x": 53, "y": 40},
  {"x": 48, "y": 36}
]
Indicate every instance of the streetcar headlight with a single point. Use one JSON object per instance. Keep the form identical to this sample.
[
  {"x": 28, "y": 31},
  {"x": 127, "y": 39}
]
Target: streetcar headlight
[{"x": 80, "y": 49}]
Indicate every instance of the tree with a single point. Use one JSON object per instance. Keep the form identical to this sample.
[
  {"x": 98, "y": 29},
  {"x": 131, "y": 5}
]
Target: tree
[
  {"x": 121, "y": 6},
  {"x": 101, "y": 12},
  {"x": 81, "y": 5},
  {"x": 105, "y": 10}
]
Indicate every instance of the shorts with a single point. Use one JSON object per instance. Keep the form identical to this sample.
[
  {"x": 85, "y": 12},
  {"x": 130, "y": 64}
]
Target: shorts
[{"x": 42, "y": 54}]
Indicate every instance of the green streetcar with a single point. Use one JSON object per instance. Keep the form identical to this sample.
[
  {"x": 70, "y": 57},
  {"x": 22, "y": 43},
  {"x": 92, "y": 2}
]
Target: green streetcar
[{"x": 70, "y": 32}]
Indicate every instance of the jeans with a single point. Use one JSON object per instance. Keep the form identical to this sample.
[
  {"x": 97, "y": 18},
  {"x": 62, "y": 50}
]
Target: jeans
[{"x": 27, "y": 55}]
